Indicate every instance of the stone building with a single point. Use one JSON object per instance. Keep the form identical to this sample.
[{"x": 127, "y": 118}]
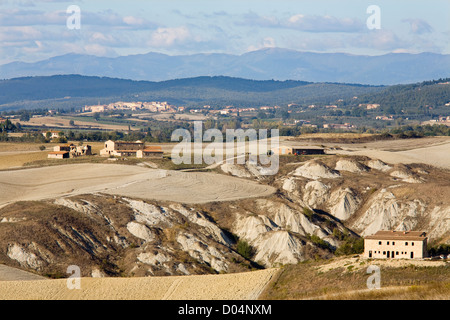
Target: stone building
[{"x": 396, "y": 245}]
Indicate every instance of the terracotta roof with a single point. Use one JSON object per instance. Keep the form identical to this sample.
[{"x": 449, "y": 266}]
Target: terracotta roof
[
  {"x": 126, "y": 151},
  {"x": 128, "y": 142},
  {"x": 153, "y": 149},
  {"x": 398, "y": 235}
]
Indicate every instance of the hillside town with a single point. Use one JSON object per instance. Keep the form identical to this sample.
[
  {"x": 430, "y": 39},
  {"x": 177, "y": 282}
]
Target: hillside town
[{"x": 133, "y": 106}]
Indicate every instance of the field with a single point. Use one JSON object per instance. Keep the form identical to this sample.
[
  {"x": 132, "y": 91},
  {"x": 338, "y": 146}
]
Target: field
[
  {"x": 136, "y": 181},
  {"x": 432, "y": 151},
  {"x": 64, "y": 123},
  {"x": 237, "y": 286},
  {"x": 16, "y": 155}
]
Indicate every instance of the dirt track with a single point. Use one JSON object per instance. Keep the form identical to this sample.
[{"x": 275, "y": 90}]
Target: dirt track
[
  {"x": 236, "y": 286},
  {"x": 135, "y": 181}
]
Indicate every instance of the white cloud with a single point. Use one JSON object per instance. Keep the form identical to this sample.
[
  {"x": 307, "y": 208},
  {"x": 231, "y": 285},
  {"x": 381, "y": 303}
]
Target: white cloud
[
  {"x": 419, "y": 26},
  {"x": 381, "y": 39},
  {"x": 267, "y": 42},
  {"x": 301, "y": 22},
  {"x": 21, "y": 33},
  {"x": 134, "y": 21},
  {"x": 166, "y": 37}
]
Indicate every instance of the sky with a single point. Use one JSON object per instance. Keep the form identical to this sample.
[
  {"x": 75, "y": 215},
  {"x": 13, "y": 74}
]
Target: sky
[{"x": 33, "y": 30}]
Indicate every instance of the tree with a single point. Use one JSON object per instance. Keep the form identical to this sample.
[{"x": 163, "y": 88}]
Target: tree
[
  {"x": 25, "y": 116},
  {"x": 245, "y": 249}
]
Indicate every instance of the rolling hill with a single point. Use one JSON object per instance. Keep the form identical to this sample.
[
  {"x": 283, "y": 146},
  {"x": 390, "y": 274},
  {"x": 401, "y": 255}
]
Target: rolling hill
[{"x": 65, "y": 91}]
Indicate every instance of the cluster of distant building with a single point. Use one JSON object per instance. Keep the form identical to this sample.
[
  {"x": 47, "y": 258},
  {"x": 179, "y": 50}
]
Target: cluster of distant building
[
  {"x": 229, "y": 110},
  {"x": 342, "y": 126},
  {"x": 133, "y": 106},
  {"x": 69, "y": 151}
]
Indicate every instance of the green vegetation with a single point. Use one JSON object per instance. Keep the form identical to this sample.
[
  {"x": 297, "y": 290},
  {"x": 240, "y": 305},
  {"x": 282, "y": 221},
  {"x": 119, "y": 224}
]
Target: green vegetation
[
  {"x": 245, "y": 249},
  {"x": 308, "y": 213},
  {"x": 7, "y": 126},
  {"x": 419, "y": 131},
  {"x": 412, "y": 99},
  {"x": 350, "y": 244},
  {"x": 319, "y": 242},
  {"x": 439, "y": 249}
]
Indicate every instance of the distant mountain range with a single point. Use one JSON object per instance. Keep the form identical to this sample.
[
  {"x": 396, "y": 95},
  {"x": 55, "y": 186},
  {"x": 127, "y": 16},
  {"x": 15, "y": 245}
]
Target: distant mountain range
[{"x": 264, "y": 64}]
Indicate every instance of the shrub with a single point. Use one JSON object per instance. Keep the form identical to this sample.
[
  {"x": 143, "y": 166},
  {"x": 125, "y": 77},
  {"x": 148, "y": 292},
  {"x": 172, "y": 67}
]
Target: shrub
[
  {"x": 319, "y": 242},
  {"x": 308, "y": 213},
  {"x": 351, "y": 246},
  {"x": 245, "y": 249}
]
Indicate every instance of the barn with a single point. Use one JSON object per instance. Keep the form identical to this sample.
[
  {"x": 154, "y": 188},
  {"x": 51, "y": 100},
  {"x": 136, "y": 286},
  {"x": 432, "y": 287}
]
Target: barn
[
  {"x": 298, "y": 150},
  {"x": 58, "y": 155},
  {"x": 150, "y": 151}
]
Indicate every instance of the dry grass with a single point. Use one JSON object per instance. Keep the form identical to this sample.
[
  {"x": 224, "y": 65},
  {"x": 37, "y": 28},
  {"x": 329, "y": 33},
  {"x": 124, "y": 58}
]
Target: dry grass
[
  {"x": 8, "y": 147},
  {"x": 20, "y": 159},
  {"x": 306, "y": 281},
  {"x": 432, "y": 291}
]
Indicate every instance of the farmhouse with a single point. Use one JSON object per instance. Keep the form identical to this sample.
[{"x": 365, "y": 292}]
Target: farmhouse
[
  {"x": 396, "y": 245},
  {"x": 154, "y": 151},
  {"x": 121, "y": 148},
  {"x": 130, "y": 149},
  {"x": 69, "y": 151},
  {"x": 298, "y": 150},
  {"x": 52, "y": 134}
]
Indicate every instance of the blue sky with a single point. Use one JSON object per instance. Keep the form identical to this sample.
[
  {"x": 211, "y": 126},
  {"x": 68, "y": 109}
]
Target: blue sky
[{"x": 36, "y": 30}]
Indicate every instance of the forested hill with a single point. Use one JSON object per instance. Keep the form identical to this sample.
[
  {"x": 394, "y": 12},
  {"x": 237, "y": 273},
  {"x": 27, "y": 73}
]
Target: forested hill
[
  {"x": 64, "y": 91},
  {"x": 420, "y": 97},
  {"x": 68, "y": 91}
]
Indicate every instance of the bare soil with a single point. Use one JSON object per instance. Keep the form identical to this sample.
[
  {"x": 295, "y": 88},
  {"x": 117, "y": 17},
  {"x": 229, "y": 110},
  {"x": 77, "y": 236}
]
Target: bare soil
[{"x": 236, "y": 286}]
